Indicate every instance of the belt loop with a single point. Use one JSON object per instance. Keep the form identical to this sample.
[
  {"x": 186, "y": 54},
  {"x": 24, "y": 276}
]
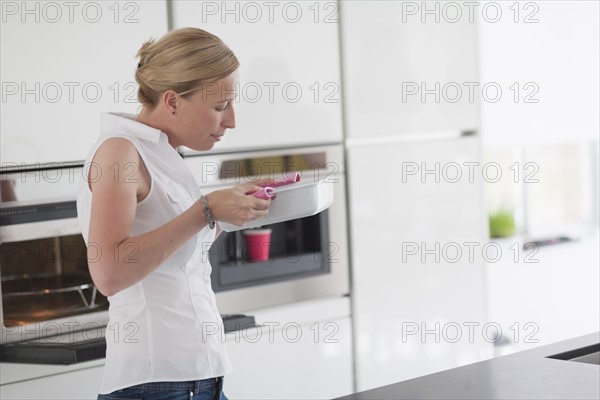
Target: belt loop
[
  {"x": 219, "y": 382},
  {"x": 217, "y": 391}
]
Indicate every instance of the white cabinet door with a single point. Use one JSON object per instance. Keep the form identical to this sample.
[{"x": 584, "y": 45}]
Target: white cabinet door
[
  {"x": 546, "y": 294},
  {"x": 407, "y": 70},
  {"x": 289, "y": 92},
  {"x": 292, "y": 356},
  {"x": 63, "y": 63},
  {"x": 82, "y": 384},
  {"x": 418, "y": 289}
]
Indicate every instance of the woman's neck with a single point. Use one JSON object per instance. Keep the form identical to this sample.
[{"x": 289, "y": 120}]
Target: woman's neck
[{"x": 153, "y": 119}]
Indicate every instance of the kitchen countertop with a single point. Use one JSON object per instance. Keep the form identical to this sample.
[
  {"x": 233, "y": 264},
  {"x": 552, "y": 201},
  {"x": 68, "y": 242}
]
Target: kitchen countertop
[{"x": 524, "y": 375}]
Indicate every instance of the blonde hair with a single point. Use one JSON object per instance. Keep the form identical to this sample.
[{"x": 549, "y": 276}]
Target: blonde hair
[{"x": 183, "y": 60}]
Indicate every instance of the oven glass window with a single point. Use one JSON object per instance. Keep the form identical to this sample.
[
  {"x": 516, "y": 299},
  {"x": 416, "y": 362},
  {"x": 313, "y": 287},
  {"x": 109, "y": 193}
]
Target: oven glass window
[{"x": 46, "y": 279}]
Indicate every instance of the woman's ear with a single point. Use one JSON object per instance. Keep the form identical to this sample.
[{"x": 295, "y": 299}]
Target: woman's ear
[{"x": 169, "y": 101}]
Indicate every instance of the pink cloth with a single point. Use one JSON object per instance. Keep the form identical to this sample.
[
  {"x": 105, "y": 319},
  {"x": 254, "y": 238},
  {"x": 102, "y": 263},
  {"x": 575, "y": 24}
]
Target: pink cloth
[{"x": 267, "y": 191}]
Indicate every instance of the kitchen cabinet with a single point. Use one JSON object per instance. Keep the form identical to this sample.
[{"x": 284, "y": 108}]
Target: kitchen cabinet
[
  {"x": 545, "y": 295},
  {"x": 300, "y": 351},
  {"x": 63, "y": 63},
  {"x": 289, "y": 92},
  {"x": 408, "y": 71},
  {"x": 417, "y": 245},
  {"x": 416, "y": 207},
  {"x": 33, "y": 381}
]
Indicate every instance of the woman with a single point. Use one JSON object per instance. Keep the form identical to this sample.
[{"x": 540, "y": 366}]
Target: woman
[{"x": 148, "y": 227}]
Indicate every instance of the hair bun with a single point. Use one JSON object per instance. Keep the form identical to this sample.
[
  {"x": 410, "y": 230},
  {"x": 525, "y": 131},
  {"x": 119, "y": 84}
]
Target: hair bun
[{"x": 144, "y": 51}]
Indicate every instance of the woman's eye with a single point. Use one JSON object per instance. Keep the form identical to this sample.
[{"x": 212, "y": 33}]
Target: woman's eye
[{"x": 222, "y": 108}]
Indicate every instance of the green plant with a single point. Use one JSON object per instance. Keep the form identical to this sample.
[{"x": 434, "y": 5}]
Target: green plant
[{"x": 502, "y": 224}]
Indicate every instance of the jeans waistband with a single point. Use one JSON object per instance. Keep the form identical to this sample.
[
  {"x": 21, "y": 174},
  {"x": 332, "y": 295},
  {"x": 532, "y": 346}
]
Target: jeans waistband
[{"x": 192, "y": 386}]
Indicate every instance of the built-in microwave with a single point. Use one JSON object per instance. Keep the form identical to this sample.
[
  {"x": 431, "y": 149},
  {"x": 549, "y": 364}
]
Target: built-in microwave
[{"x": 307, "y": 256}]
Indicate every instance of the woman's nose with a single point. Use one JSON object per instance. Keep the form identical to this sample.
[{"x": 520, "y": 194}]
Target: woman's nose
[{"x": 229, "y": 118}]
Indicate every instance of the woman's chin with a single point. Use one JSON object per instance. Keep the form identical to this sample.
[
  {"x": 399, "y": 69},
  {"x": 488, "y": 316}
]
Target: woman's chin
[{"x": 202, "y": 147}]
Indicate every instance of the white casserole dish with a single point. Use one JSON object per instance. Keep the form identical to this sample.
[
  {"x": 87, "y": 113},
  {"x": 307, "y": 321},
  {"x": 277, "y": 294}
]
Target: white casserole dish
[{"x": 297, "y": 200}]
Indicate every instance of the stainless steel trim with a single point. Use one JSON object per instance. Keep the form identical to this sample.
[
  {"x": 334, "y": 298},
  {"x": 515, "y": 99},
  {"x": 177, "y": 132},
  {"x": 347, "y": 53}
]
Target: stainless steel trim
[
  {"x": 56, "y": 327},
  {"x": 39, "y": 230},
  {"x": 187, "y": 152},
  {"x": 206, "y": 167}
]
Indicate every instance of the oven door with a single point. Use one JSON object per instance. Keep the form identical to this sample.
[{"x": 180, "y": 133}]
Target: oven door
[
  {"x": 45, "y": 286},
  {"x": 308, "y": 256}
]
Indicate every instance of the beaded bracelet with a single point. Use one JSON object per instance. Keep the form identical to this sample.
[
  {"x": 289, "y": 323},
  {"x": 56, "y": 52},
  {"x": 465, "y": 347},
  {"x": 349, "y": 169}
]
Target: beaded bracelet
[{"x": 209, "y": 220}]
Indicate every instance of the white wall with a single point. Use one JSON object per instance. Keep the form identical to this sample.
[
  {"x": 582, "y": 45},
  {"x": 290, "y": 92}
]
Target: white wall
[{"x": 558, "y": 55}]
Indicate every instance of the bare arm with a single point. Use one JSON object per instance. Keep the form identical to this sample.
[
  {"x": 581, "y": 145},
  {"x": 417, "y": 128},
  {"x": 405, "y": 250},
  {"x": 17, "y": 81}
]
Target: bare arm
[{"x": 123, "y": 260}]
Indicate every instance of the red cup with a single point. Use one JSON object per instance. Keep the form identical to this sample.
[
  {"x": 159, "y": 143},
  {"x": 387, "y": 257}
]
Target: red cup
[{"x": 258, "y": 242}]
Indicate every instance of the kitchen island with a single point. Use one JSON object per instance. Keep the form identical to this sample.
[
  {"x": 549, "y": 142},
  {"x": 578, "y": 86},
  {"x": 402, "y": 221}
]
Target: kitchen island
[{"x": 564, "y": 370}]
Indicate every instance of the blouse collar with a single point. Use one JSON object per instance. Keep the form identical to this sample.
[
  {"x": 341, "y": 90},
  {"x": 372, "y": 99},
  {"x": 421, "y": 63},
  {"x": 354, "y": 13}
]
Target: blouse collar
[{"x": 127, "y": 123}]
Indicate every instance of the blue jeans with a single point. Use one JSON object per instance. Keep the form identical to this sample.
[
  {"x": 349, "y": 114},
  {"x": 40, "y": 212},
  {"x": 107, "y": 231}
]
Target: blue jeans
[{"x": 206, "y": 389}]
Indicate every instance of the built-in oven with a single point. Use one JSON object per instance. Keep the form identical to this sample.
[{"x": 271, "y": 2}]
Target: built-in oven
[
  {"x": 307, "y": 257},
  {"x": 48, "y": 303}
]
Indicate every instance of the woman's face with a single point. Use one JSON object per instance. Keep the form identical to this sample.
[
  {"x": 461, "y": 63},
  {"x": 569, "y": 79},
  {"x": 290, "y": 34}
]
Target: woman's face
[{"x": 203, "y": 117}]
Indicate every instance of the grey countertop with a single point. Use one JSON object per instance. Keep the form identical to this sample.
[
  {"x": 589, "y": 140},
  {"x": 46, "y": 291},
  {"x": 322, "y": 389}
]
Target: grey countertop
[{"x": 525, "y": 375}]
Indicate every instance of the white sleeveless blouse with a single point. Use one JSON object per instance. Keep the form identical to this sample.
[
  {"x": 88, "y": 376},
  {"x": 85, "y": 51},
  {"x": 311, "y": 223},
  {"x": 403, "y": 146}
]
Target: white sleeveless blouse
[{"x": 165, "y": 327}]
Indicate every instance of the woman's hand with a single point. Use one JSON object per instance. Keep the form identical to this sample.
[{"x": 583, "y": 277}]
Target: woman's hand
[{"x": 237, "y": 205}]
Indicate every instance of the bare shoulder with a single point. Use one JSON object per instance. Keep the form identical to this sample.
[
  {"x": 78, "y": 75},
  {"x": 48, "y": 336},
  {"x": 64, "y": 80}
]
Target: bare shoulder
[
  {"x": 116, "y": 161},
  {"x": 116, "y": 149}
]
